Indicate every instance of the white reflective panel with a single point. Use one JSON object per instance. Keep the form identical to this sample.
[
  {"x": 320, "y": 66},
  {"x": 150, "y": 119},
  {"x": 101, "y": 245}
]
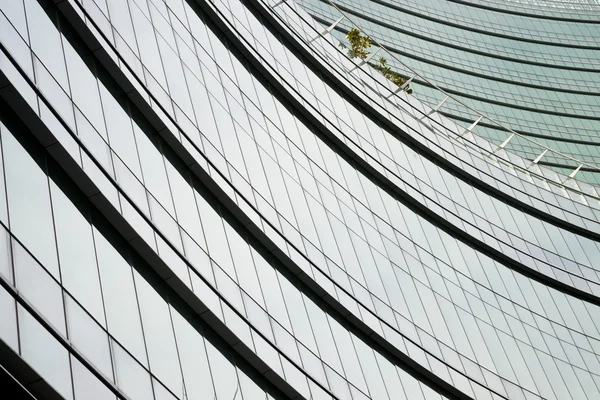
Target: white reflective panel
[
  {"x": 158, "y": 332},
  {"x": 122, "y": 313},
  {"x": 29, "y": 203},
  {"x": 8, "y": 328},
  {"x": 45, "y": 354},
  {"x": 161, "y": 393},
  {"x": 77, "y": 254},
  {"x": 46, "y": 40},
  {"x": 89, "y": 338},
  {"x": 194, "y": 361},
  {"x": 132, "y": 379},
  {"x": 223, "y": 374},
  {"x": 86, "y": 385},
  {"x": 6, "y": 269},
  {"x": 38, "y": 288},
  {"x": 3, "y": 205}
]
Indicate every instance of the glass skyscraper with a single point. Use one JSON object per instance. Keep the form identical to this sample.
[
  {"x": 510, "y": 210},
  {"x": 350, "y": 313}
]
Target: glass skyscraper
[
  {"x": 532, "y": 66},
  {"x": 209, "y": 199}
]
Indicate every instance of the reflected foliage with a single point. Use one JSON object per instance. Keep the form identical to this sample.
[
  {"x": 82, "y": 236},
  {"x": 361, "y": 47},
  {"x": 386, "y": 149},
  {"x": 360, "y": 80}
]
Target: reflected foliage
[{"x": 359, "y": 47}]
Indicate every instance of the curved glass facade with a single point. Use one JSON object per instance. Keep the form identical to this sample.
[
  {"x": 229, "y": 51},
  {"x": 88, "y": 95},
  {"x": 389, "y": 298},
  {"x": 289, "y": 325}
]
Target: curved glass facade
[
  {"x": 207, "y": 199},
  {"x": 535, "y": 71}
]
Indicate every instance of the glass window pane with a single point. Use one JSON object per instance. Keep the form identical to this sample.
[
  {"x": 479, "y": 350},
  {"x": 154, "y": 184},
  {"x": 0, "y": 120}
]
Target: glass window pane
[
  {"x": 132, "y": 379},
  {"x": 29, "y": 203},
  {"x": 5, "y": 256},
  {"x": 39, "y": 288},
  {"x": 77, "y": 255},
  {"x": 87, "y": 336},
  {"x": 8, "y": 316},
  {"x": 158, "y": 332},
  {"x": 45, "y": 354},
  {"x": 194, "y": 362},
  {"x": 122, "y": 315},
  {"x": 87, "y": 386}
]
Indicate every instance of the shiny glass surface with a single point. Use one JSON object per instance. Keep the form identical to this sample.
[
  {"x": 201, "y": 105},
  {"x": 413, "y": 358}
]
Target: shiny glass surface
[
  {"x": 532, "y": 74},
  {"x": 73, "y": 285}
]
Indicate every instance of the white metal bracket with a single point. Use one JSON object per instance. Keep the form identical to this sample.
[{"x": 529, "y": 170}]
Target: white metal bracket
[
  {"x": 434, "y": 109},
  {"x": 538, "y": 158},
  {"x": 327, "y": 30},
  {"x": 473, "y": 125},
  {"x": 572, "y": 174},
  {"x": 503, "y": 145}
]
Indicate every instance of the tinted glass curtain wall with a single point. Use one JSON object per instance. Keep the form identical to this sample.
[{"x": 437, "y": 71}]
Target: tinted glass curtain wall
[
  {"x": 531, "y": 65},
  {"x": 207, "y": 199}
]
